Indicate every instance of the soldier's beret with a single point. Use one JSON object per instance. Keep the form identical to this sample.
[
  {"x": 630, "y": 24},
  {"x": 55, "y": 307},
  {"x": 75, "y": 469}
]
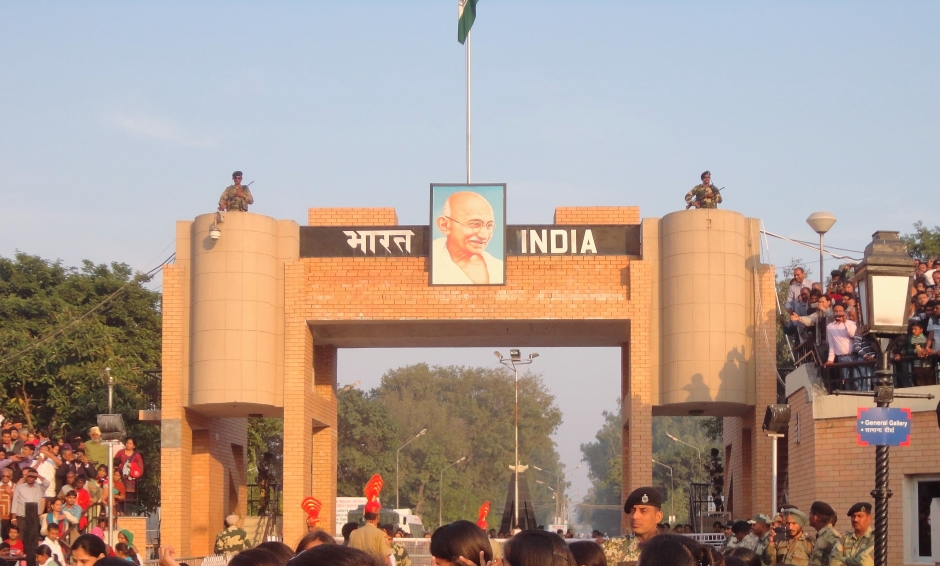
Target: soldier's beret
[
  {"x": 863, "y": 506},
  {"x": 798, "y": 516},
  {"x": 643, "y": 496},
  {"x": 236, "y": 174},
  {"x": 822, "y": 508}
]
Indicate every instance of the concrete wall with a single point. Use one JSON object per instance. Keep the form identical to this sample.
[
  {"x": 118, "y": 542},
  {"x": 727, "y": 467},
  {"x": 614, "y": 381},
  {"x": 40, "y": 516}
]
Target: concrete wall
[
  {"x": 237, "y": 324},
  {"x": 704, "y": 315}
]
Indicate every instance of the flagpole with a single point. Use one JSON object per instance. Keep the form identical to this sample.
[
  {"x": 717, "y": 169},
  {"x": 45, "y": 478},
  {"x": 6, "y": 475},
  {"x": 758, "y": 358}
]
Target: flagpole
[{"x": 468, "y": 107}]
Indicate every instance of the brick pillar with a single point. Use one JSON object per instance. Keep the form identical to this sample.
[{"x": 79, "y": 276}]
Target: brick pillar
[
  {"x": 325, "y": 437},
  {"x": 637, "y": 388},
  {"x": 765, "y": 392},
  {"x": 175, "y": 432},
  {"x": 310, "y": 438}
]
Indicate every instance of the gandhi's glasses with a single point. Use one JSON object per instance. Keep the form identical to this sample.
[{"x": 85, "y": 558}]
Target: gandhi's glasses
[{"x": 475, "y": 225}]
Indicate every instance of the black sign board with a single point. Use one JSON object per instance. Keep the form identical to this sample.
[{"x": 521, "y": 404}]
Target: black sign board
[{"x": 413, "y": 241}]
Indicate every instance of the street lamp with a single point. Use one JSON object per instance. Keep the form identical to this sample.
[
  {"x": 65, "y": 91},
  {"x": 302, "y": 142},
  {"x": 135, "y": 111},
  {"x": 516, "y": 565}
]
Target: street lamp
[
  {"x": 821, "y": 222},
  {"x": 440, "y": 504},
  {"x": 346, "y": 388},
  {"x": 680, "y": 441},
  {"x": 776, "y": 422},
  {"x": 672, "y": 512},
  {"x": 554, "y": 496},
  {"x": 515, "y": 359},
  {"x": 884, "y": 282},
  {"x": 563, "y": 513},
  {"x": 397, "y": 452}
]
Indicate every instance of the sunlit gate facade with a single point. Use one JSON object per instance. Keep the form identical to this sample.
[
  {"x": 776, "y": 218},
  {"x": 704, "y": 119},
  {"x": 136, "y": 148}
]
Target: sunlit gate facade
[{"x": 253, "y": 321}]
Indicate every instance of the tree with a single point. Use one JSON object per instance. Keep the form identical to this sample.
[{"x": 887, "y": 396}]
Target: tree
[
  {"x": 56, "y": 381},
  {"x": 604, "y": 457},
  {"x": 924, "y": 242},
  {"x": 468, "y": 413}
]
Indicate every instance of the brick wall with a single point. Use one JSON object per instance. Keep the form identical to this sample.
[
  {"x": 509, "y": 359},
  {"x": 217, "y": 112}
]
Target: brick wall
[
  {"x": 597, "y": 215},
  {"x": 352, "y": 217}
]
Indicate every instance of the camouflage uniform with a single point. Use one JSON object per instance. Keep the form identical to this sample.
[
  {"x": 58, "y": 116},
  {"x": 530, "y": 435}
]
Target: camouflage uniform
[
  {"x": 826, "y": 540},
  {"x": 401, "y": 555},
  {"x": 698, "y": 194},
  {"x": 621, "y": 550},
  {"x": 795, "y": 551},
  {"x": 229, "y": 201},
  {"x": 232, "y": 539},
  {"x": 854, "y": 551},
  {"x": 762, "y": 547}
]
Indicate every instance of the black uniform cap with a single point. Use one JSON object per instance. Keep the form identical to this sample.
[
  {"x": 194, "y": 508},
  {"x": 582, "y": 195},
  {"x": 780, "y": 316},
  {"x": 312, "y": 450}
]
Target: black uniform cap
[
  {"x": 236, "y": 174},
  {"x": 822, "y": 508},
  {"x": 643, "y": 496},
  {"x": 863, "y": 506},
  {"x": 740, "y": 527}
]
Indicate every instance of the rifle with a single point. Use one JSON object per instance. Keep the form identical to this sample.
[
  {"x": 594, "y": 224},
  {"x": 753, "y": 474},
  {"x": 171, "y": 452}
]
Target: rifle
[{"x": 715, "y": 190}]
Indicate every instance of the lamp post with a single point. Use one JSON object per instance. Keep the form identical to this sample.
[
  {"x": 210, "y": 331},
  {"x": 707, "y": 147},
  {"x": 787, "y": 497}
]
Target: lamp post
[
  {"x": 515, "y": 360},
  {"x": 673, "y": 488},
  {"x": 440, "y": 501},
  {"x": 346, "y": 388},
  {"x": 397, "y": 452},
  {"x": 110, "y": 379},
  {"x": 821, "y": 222},
  {"x": 884, "y": 282},
  {"x": 563, "y": 513},
  {"x": 554, "y": 496},
  {"x": 776, "y": 423},
  {"x": 680, "y": 441}
]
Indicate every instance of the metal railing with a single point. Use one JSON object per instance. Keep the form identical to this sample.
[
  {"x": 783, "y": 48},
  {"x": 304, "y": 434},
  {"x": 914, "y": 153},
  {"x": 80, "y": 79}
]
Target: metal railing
[{"x": 909, "y": 371}]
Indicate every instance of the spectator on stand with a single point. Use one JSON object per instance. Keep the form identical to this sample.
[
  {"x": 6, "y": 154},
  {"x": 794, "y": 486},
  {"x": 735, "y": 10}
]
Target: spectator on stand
[
  {"x": 73, "y": 514},
  {"x": 9, "y": 445},
  {"x": 82, "y": 498},
  {"x": 919, "y": 308},
  {"x": 44, "y": 557},
  {"x": 6, "y": 500},
  {"x": 55, "y": 516},
  {"x": 46, "y": 465},
  {"x": 30, "y": 491},
  {"x": 14, "y": 541},
  {"x": 797, "y": 284},
  {"x": 120, "y": 494},
  {"x": 914, "y": 372},
  {"x": 840, "y": 335},
  {"x": 130, "y": 463},
  {"x": 864, "y": 352},
  {"x": 52, "y": 540},
  {"x": 96, "y": 450}
]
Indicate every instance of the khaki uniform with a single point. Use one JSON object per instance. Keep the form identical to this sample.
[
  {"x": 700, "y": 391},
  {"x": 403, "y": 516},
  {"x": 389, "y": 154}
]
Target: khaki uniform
[
  {"x": 621, "y": 550},
  {"x": 698, "y": 194},
  {"x": 794, "y": 551},
  {"x": 854, "y": 551},
  {"x": 232, "y": 539},
  {"x": 826, "y": 540},
  {"x": 229, "y": 201},
  {"x": 371, "y": 540}
]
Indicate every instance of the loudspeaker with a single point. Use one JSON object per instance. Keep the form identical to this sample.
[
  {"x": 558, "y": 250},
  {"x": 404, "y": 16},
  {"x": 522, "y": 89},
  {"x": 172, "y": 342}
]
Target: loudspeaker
[
  {"x": 112, "y": 427},
  {"x": 777, "y": 419}
]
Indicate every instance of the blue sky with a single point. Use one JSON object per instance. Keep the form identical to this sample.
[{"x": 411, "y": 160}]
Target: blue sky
[{"x": 116, "y": 119}]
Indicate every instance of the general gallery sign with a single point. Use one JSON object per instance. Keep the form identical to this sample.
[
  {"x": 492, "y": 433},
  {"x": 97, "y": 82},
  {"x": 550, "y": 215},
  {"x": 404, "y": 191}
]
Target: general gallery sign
[{"x": 467, "y": 239}]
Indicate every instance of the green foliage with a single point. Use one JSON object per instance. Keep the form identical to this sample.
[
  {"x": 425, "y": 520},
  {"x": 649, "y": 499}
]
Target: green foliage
[
  {"x": 605, "y": 467},
  {"x": 59, "y": 384},
  {"x": 468, "y": 412},
  {"x": 260, "y": 428},
  {"x": 924, "y": 242},
  {"x": 713, "y": 427}
]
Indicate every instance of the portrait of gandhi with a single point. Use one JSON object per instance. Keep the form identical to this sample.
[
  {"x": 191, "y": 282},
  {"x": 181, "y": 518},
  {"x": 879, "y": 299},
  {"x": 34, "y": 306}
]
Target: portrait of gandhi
[{"x": 459, "y": 257}]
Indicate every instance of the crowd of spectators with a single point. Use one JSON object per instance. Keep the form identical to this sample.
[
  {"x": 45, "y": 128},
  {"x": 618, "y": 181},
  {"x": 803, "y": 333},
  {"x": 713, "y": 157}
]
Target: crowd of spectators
[
  {"x": 67, "y": 478},
  {"x": 827, "y": 320}
]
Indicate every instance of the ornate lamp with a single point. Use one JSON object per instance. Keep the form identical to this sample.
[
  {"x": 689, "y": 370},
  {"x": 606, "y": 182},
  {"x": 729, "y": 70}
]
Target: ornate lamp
[{"x": 884, "y": 282}]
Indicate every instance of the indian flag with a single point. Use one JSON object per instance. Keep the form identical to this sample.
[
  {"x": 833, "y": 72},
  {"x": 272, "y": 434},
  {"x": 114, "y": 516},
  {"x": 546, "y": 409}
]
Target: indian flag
[{"x": 466, "y": 13}]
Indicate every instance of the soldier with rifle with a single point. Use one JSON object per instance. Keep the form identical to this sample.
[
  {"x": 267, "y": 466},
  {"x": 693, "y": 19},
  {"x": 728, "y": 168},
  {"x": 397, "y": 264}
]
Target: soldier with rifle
[
  {"x": 703, "y": 195},
  {"x": 236, "y": 196}
]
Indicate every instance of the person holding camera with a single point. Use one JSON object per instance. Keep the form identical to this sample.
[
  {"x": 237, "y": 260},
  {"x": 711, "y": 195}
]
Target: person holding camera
[{"x": 796, "y": 546}]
